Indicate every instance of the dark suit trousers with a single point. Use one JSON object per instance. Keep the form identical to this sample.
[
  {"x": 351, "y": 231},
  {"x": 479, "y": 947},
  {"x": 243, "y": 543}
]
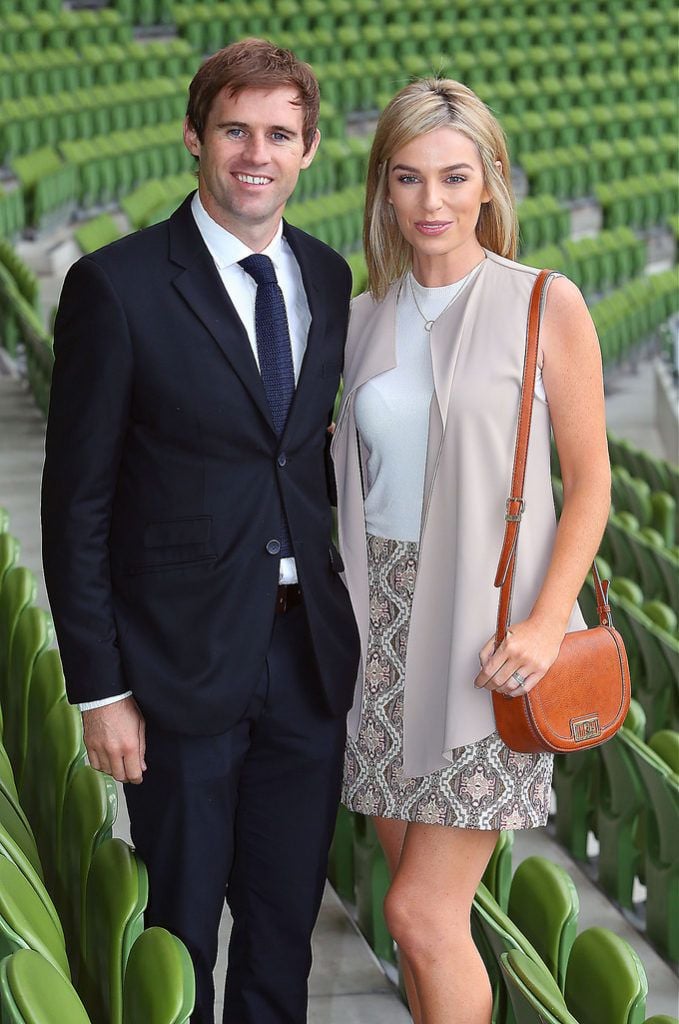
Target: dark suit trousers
[{"x": 247, "y": 814}]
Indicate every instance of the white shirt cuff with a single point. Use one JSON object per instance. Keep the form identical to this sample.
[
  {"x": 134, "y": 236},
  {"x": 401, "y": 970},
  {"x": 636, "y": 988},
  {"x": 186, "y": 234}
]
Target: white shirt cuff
[{"x": 90, "y": 704}]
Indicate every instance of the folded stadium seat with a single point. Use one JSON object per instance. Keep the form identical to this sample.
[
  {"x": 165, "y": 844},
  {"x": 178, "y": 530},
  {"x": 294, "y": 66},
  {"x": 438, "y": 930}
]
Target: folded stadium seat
[
  {"x": 605, "y": 980},
  {"x": 665, "y": 744},
  {"x": 116, "y": 896},
  {"x": 15, "y": 823},
  {"x": 661, "y": 1018},
  {"x": 495, "y": 933},
  {"x": 89, "y": 812},
  {"x": 635, "y": 719},
  {"x": 341, "y": 856},
  {"x": 9, "y": 553},
  {"x": 371, "y": 884},
  {"x": 33, "y": 633},
  {"x": 7, "y": 782},
  {"x": 159, "y": 983},
  {"x": 18, "y": 591},
  {"x": 51, "y": 756},
  {"x": 46, "y": 689},
  {"x": 25, "y": 922},
  {"x": 657, "y": 568},
  {"x": 544, "y": 906},
  {"x": 657, "y": 686},
  {"x": 12, "y": 849},
  {"x": 621, "y": 801},
  {"x": 534, "y": 995},
  {"x": 32, "y": 991},
  {"x": 664, "y": 515},
  {"x": 574, "y": 783},
  {"x": 497, "y": 877},
  {"x": 661, "y": 865},
  {"x": 621, "y": 531}
]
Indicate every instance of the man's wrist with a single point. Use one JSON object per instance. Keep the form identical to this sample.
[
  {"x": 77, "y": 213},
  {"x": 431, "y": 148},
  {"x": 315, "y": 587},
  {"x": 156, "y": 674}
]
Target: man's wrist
[{"x": 91, "y": 704}]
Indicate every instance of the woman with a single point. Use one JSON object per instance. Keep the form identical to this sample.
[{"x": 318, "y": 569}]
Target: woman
[{"x": 423, "y": 452}]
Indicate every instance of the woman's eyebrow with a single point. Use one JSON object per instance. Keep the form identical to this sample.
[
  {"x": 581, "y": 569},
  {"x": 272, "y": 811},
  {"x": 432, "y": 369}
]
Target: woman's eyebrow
[{"x": 414, "y": 170}]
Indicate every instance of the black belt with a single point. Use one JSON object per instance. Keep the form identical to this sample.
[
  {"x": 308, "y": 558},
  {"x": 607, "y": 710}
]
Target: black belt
[{"x": 288, "y": 596}]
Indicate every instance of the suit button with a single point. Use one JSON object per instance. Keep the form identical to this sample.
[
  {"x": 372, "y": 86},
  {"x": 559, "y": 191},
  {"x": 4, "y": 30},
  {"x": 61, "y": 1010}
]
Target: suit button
[
  {"x": 282, "y": 459},
  {"x": 273, "y": 547}
]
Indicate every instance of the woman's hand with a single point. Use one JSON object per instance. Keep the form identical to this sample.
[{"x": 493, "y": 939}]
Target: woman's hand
[{"x": 530, "y": 648}]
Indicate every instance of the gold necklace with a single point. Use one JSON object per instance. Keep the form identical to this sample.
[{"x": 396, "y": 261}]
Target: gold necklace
[{"x": 428, "y": 324}]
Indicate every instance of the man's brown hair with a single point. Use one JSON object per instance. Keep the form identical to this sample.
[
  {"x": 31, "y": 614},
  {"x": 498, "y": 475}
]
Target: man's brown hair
[{"x": 253, "y": 64}]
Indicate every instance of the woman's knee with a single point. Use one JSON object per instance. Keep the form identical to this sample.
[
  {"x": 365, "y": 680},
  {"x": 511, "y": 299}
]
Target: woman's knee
[{"x": 421, "y": 927}]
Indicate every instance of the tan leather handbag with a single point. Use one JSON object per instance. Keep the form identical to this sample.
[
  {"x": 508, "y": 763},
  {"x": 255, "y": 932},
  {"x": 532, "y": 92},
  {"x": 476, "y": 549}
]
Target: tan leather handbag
[{"x": 583, "y": 699}]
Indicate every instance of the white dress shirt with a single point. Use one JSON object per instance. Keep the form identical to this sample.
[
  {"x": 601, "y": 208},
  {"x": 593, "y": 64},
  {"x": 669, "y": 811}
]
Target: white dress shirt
[{"x": 227, "y": 250}]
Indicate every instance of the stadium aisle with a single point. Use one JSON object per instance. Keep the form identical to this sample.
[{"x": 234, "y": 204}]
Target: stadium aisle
[{"x": 347, "y": 984}]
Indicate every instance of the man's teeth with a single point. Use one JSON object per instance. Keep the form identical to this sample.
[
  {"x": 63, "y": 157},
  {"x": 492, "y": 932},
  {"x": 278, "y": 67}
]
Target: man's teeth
[{"x": 250, "y": 179}]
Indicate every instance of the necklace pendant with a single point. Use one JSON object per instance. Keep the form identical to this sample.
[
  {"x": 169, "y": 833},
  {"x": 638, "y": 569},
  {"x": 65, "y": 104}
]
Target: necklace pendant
[{"x": 428, "y": 324}]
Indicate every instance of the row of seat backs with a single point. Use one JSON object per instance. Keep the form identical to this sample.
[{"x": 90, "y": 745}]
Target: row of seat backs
[
  {"x": 592, "y": 977},
  {"x": 92, "y": 883}
]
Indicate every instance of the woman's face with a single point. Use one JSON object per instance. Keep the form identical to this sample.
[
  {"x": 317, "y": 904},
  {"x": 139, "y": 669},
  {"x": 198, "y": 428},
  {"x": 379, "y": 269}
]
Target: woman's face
[{"x": 436, "y": 188}]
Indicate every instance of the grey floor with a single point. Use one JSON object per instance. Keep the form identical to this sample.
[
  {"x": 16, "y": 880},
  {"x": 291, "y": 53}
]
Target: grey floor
[{"x": 347, "y": 984}]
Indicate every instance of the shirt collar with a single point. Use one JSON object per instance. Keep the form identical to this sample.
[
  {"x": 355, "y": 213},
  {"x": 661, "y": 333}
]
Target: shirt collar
[{"x": 224, "y": 247}]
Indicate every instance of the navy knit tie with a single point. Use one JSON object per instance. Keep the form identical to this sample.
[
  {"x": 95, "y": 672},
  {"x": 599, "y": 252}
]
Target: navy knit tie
[{"x": 274, "y": 351}]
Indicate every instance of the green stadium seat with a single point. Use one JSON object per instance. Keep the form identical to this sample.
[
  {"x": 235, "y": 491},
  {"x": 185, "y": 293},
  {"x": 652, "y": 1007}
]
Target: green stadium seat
[
  {"x": 574, "y": 784},
  {"x": 117, "y": 892},
  {"x": 371, "y": 885},
  {"x": 661, "y": 873},
  {"x": 15, "y": 825},
  {"x": 51, "y": 757},
  {"x": 25, "y": 922},
  {"x": 159, "y": 980},
  {"x": 9, "y": 554},
  {"x": 32, "y": 635},
  {"x": 18, "y": 591},
  {"x": 497, "y": 877},
  {"x": 499, "y": 935},
  {"x": 33, "y": 991},
  {"x": 605, "y": 980},
  {"x": 341, "y": 856},
  {"x": 89, "y": 812},
  {"x": 621, "y": 802},
  {"x": 665, "y": 744},
  {"x": 544, "y": 905},
  {"x": 7, "y": 782},
  {"x": 533, "y": 993}
]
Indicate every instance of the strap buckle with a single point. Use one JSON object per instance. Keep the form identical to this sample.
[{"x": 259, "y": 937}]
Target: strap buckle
[{"x": 514, "y": 518}]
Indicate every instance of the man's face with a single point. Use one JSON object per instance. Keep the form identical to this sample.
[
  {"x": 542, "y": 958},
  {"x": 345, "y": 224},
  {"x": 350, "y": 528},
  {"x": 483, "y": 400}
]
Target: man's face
[{"x": 250, "y": 158}]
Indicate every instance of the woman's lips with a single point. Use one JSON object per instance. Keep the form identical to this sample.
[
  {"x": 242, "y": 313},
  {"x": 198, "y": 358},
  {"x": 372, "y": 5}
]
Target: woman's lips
[{"x": 426, "y": 227}]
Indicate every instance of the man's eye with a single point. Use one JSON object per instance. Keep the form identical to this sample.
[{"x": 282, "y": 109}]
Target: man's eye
[
  {"x": 279, "y": 136},
  {"x": 235, "y": 133}
]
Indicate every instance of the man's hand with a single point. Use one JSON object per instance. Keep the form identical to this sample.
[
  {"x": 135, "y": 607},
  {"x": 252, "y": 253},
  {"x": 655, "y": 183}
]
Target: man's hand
[{"x": 115, "y": 740}]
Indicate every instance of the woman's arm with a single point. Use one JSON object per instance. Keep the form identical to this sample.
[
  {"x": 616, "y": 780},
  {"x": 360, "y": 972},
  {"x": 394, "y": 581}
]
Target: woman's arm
[{"x": 573, "y": 381}]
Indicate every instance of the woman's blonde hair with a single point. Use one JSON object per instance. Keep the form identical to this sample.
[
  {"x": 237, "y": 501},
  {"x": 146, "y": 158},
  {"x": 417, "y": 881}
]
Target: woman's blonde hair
[{"x": 422, "y": 107}]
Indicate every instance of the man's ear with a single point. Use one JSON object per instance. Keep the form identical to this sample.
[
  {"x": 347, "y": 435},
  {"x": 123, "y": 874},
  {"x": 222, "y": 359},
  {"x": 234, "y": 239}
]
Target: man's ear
[
  {"x": 191, "y": 140},
  {"x": 311, "y": 151}
]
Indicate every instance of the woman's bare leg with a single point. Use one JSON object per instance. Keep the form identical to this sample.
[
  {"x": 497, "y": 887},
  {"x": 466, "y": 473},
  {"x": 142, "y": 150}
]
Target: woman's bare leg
[
  {"x": 428, "y": 911},
  {"x": 391, "y": 833}
]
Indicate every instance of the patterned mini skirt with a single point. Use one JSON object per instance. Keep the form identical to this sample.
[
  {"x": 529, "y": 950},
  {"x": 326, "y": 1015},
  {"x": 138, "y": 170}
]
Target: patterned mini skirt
[{"x": 486, "y": 785}]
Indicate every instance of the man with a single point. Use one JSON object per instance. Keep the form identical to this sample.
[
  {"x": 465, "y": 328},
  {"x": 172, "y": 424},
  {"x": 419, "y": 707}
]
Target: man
[{"x": 203, "y": 625}]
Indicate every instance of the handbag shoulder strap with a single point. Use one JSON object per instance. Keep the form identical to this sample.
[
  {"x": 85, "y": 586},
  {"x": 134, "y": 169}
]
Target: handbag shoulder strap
[{"x": 515, "y": 505}]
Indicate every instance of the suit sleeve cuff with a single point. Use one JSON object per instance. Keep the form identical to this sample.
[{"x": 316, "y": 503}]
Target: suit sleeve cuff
[{"x": 90, "y": 704}]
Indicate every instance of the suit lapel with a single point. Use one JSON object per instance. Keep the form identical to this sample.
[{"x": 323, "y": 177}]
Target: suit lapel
[{"x": 199, "y": 284}]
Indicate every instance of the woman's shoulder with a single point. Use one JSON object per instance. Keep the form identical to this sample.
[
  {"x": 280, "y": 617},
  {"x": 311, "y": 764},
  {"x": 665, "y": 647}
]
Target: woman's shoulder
[{"x": 561, "y": 290}]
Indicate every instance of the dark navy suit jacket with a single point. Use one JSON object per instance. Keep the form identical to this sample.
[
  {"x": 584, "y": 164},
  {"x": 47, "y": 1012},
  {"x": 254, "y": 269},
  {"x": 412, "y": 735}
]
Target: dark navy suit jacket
[{"x": 164, "y": 478}]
